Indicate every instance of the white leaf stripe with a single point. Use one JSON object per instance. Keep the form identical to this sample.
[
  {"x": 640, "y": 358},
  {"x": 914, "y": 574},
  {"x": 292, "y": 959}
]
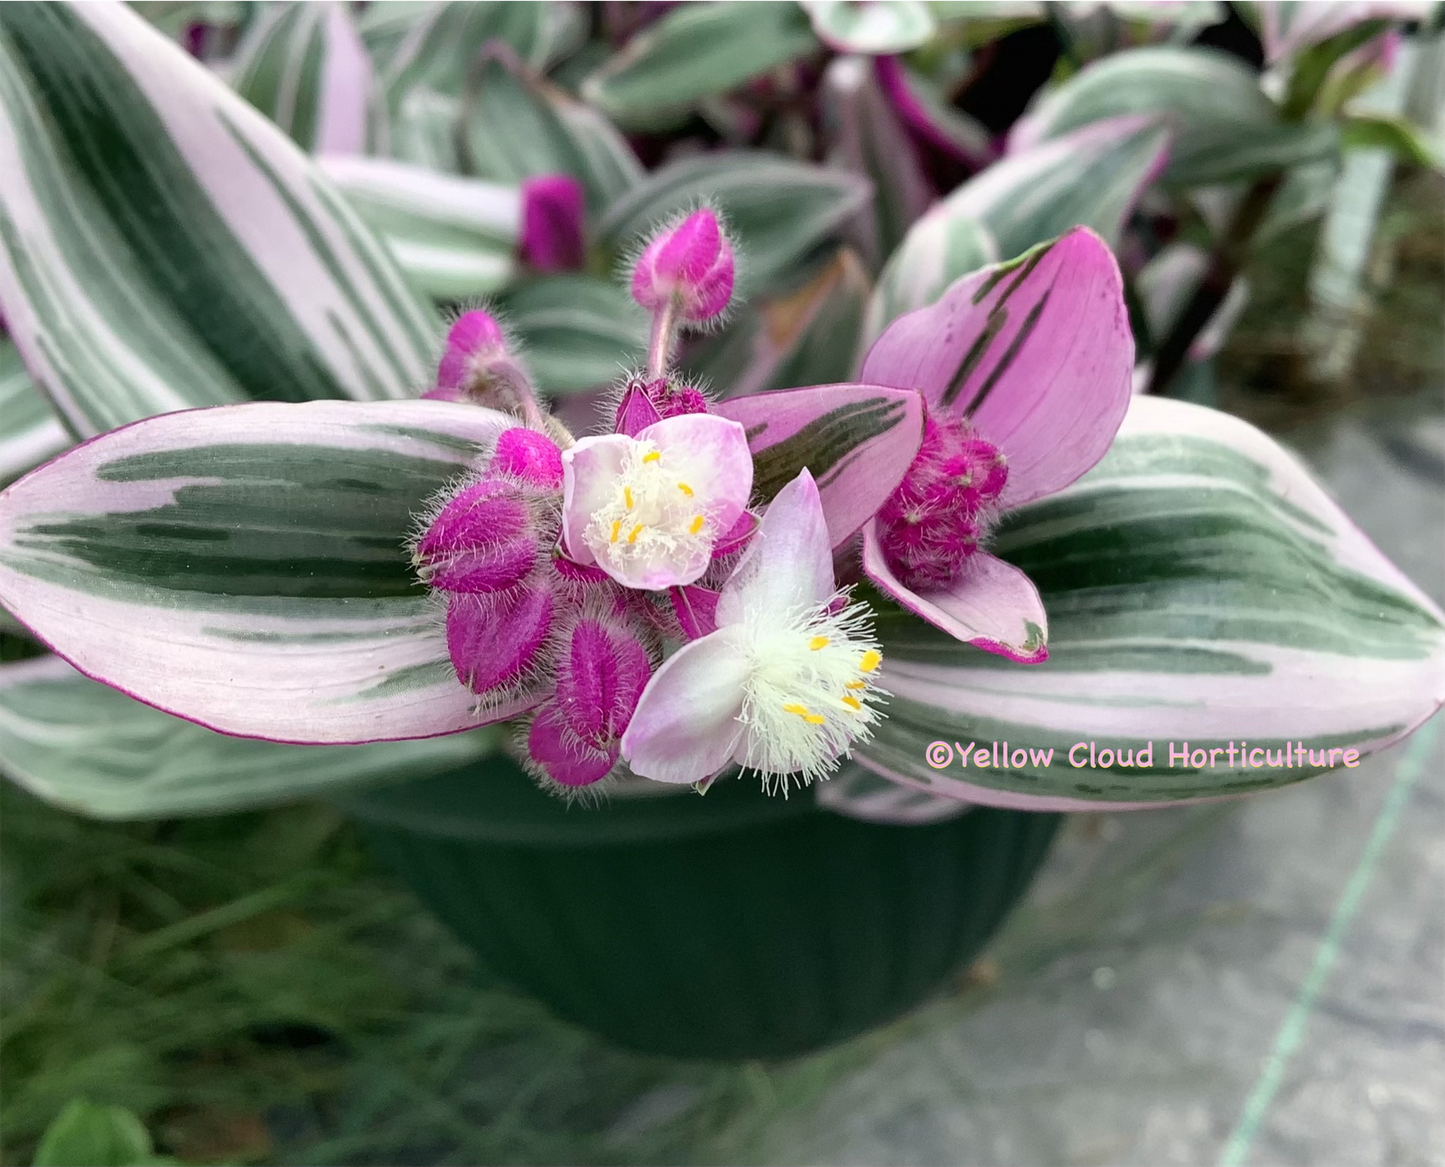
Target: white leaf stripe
[
  {"x": 211, "y": 232},
  {"x": 245, "y": 566},
  {"x": 29, "y": 432},
  {"x": 1200, "y": 587},
  {"x": 91, "y": 749}
]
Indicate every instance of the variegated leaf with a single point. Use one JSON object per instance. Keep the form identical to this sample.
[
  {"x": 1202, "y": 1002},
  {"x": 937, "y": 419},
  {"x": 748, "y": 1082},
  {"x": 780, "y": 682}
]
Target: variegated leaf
[
  {"x": 305, "y": 67},
  {"x": 1225, "y": 128},
  {"x": 94, "y": 750},
  {"x": 162, "y": 245},
  {"x": 941, "y": 247},
  {"x": 1090, "y": 178},
  {"x": 695, "y": 52},
  {"x": 803, "y": 338},
  {"x": 245, "y": 566},
  {"x": 857, "y": 440},
  {"x": 454, "y": 237},
  {"x": 577, "y": 332},
  {"x": 850, "y": 27},
  {"x": 29, "y": 430},
  {"x": 781, "y": 212},
  {"x": 1201, "y": 588},
  {"x": 515, "y": 125}
]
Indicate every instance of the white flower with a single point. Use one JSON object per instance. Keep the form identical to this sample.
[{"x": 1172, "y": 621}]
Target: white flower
[
  {"x": 649, "y": 509},
  {"x": 785, "y": 684}
]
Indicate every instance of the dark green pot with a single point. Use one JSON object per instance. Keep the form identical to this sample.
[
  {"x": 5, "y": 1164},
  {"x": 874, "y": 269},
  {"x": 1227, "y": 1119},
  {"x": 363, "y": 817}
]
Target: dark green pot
[{"x": 728, "y": 926}]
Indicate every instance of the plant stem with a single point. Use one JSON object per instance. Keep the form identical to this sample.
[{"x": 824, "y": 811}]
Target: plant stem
[
  {"x": 659, "y": 352},
  {"x": 1218, "y": 278}
]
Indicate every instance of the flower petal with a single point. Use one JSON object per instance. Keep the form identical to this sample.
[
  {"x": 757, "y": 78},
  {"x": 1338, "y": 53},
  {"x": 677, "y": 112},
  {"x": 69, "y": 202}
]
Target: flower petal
[
  {"x": 719, "y": 464},
  {"x": 589, "y": 479},
  {"x": 686, "y": 724},
  {"x": 789, "y": 563},
  {"x": 1037, "y": 352},
  {"x": 994, "y": 606}
]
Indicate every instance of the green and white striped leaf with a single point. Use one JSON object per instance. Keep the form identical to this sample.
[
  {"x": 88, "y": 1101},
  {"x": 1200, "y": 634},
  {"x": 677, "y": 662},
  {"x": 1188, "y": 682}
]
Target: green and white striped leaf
[
  {"x": 780, "y": 212},
  {"x": 162, "y": 245},
  {"x": 848, "y": 27},
  {"x": 938, "y": 249},
  {"x": 245, "y": 566},
  {"x": 422, "y": 130},
  {"x": 305, "y": 67},
  {"x": 94, "y": 750},
  {"x": 578, "y": 332},
  {"x": 1090, "y": 178},
  {"x": 441, "y": 47},
  {"x": 804, "y": 338},
  {"x": 29, "y": 430},
  {"x": 1225, "y": 128},
  {"x": 1200, "y": 587},
  {"x": 694, "y": 52},
  {"x": 515, "y": 126},
  {"x": 456, "y": 238}
]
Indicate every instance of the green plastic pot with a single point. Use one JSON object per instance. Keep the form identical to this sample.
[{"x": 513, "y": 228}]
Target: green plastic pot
[{"x": 728, "y": 926}]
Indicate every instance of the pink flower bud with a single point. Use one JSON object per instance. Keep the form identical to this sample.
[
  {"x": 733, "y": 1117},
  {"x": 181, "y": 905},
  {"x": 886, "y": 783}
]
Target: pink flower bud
[
  {"x": 647, "y": 401},
  {"x": 497, "y": 642},
  {"x": 477, "y": 367},
  {"x": 689, "y": 266},
  {"x": 483, "y": 541},
  {"x": 602, "y": 668},
  {"x": 532, "y": 457},
  {"x": 945, "y": 506},
  {"x": 553, "y": 215},
  {"x": 555, "y": 752}
]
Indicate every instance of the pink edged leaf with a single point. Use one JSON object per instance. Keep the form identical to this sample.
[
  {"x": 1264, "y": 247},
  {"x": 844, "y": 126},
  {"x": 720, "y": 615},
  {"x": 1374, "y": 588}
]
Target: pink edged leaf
[
  {"x": 993, "y": 606},
  {"x": 857, "y": 440},
  {"x": 1201, "y": 588},
  {"x": 88, "y": 748},
  {"x": 686, "y": 723},
  {"x": 245, "y": 567},
  {"x": 1037, "y": 352},
  {"x": 1288, "y": 27}
]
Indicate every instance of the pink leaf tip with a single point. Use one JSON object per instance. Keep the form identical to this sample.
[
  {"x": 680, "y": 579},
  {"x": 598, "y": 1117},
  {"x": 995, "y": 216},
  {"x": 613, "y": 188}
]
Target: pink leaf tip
[{"x": 689, "y": 266}]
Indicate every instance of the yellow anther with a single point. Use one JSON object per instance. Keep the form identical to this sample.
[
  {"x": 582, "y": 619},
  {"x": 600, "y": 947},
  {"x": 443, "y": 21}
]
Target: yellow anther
[
  {"x": 696, "y": 524},
  {"x": 632, "y": 534},
  {"x": 818, "y": 642},
  {"x": 652, "y": 456},
  {"x": 685, "y": 488},
  {"x": 814, "y": 718},
  {"x": 616, "y": 529},
  {"x": 627, "y": 497},
  {"x": 851, "y": 701},
  {"x": 800, "y": 710},
  {"x": 856, "y": 685},
  {"x": 871, "y": 660}
]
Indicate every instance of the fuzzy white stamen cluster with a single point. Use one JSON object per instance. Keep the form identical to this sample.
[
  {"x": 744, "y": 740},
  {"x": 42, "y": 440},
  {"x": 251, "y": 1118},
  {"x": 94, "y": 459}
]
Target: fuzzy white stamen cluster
[
  {"x": 654, "y": 518},
  {"x": 810, "y": 691}
]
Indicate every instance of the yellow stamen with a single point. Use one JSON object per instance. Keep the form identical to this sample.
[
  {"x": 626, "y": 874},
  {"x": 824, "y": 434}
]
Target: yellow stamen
[
  {"x": 851, "y": 701},
  {"x": 815, "y": 719},
  {"x": 818, "y": 642},
  {"x": 652, "y": 456},
  {"x": 800, "y": 710},
  {"x": 627, "y": 497},
  {"x": 632, "y": 535},
  {"x": 696, "y": 524},
  {"x": 616, "y": 529},
  {"x": 685, "y": 488},
  {"x": 856, "y": 685},
  {"x": 871, "y": 660}
]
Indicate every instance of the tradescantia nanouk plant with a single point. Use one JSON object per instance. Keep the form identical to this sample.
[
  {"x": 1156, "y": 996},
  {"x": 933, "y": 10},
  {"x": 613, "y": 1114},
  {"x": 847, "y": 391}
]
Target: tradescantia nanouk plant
[{"x": 978, "y": 537}]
